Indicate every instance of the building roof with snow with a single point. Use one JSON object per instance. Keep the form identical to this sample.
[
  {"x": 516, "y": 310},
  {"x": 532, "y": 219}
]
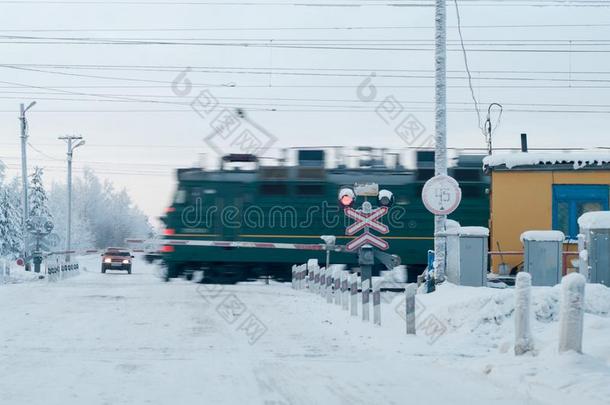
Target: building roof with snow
[{"x": 548, "y": 160}]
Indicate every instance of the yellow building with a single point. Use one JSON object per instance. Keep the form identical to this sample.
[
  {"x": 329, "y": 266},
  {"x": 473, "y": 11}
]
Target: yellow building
[{"x": 542, "y": 191}]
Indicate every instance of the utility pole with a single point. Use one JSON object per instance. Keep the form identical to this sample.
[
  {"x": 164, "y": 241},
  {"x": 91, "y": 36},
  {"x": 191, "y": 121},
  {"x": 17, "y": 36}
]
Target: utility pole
[
  {"x": 24, "y": 176},
  {"x": 440, "y": 162},
  {"x": 69, "y": 139}
]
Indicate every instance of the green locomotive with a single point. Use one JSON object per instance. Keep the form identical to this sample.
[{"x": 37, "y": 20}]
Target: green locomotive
[{"x": 296, "y": 204}]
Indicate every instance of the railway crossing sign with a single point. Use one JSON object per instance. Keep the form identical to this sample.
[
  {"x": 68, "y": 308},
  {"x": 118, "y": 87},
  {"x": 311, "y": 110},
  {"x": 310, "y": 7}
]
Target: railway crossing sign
[
  {"x": 441, "y": 195},
  {"x": 367, "y": 238},
  {"x": 364, "y": 220}
]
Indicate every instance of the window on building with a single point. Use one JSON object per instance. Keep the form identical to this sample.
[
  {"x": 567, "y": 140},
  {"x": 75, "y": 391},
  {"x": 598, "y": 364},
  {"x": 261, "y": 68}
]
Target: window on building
[{"x": 571, "y": 201}]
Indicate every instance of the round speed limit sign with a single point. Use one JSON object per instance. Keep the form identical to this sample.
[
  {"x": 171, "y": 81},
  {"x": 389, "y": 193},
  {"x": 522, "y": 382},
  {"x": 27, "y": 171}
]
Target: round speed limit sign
[{"x": 441, "y": 195}]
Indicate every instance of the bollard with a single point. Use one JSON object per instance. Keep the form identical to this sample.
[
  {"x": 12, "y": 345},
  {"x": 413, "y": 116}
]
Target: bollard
[
  {"x": 337, "y": 286},
  {"x": 323, "y": 282},
  {"x": 294, "y": 275},
  {"x": 353, "y": 291},
  {"x": 523, "y": 298},
  {"x": 572, "y": 311},
  {"x": 312, "y": 266},
  {"x": 344, "y": 289},
  {"x": 329, "y": 285},
  {"x": 365, "y": 299},
  {"x": 316, "y": 280},
  {"x": 377, "y": 301},
  {"x": 410, "y": 292},
  {"x": 312, "y": 280},
  {"x": 302, "y": 272}
]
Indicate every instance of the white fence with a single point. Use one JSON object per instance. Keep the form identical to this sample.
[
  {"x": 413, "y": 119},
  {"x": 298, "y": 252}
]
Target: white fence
[
  {"x": 340, "y": 287},
  {"x": 54, "y": 268},
  {"x": 57, "y": 269}
]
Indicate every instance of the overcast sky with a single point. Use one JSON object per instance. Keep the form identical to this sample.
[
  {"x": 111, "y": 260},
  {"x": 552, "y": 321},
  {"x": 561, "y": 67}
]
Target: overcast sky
[{"x": 137, "y": 145}]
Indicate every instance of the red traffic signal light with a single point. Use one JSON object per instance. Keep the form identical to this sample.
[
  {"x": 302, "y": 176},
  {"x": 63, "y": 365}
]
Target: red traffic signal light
[{"x": 347, "y": 197}]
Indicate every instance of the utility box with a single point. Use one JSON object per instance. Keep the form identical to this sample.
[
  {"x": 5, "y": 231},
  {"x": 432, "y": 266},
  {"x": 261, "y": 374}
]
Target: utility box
[
  {"x": 473, "y": 250},
  {"x": 595, "y": 226},
  {"x": 599, "y": 253},
  {"x": 543, "y": 256}
]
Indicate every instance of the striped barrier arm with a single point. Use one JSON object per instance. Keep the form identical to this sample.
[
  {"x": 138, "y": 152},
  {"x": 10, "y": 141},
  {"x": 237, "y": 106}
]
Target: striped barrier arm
[{"x": 256, "y": 245}]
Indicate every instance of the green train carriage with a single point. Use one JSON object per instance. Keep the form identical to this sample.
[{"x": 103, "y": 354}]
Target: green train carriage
[{"x": 297, "y": 204}]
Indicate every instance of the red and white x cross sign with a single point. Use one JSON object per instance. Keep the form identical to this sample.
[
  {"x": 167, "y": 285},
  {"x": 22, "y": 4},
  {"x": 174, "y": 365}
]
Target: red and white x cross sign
[
  {"x": 366, "y": 220},
  {"x": 367, "y": 239}
]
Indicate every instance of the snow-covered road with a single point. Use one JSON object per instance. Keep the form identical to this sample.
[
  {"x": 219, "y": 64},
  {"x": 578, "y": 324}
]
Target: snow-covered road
[{"x": 133, "y": 339}]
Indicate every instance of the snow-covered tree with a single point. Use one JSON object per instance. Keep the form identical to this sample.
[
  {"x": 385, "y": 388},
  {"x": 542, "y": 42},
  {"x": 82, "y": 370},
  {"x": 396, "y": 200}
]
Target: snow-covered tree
[
  {"x": 38, "y": 200},
  {"x": 39, "y": 212},
  {"x": 101, "y": 216},
  {"x": 10, "y": 225},
  {"x": 82, "y": 234}
]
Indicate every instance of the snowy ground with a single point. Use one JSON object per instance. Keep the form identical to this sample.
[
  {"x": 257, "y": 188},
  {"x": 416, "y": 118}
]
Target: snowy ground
[{"x": 124, "y": 339}]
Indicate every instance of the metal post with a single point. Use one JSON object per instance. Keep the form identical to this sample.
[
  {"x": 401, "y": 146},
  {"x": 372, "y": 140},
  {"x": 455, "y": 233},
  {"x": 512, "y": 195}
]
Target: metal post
[
  {"x": 377, "y": 301},
  {"x": 353, "y": 291},
  {"x": 24, "y": 175},
  {"x": 365, "y": 299},
  {"x": 322, "y": 290},
  {"x": 329, "y": 284},
  {"x": 410, "y": 292},
  {"x": 440, "y": 162},
  {"x": 37, "y": 254},
  {"x": 337, "y": 287},
  {"x": 344, "y": 290},
  {"x": 69, "y": 182},
  {"x": 69, "y": 155}
]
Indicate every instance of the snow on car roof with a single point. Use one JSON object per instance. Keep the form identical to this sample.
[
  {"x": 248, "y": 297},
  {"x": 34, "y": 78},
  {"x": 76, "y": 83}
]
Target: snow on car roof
[{"x": 578, "y": 159}]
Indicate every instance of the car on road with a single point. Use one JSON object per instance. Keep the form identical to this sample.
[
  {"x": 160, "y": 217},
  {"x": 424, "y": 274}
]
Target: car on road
[{"x": 116, "y": 259}]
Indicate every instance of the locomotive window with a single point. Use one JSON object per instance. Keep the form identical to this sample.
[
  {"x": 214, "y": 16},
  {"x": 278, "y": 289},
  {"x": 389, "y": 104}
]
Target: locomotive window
[
  {"x": 472, "y": 191},
  {"x": 467, "y": 175},
  {"x": 273, "y": 189},
  {"x": 424, "y": 174},
  {"x": 310, "y": 189}
]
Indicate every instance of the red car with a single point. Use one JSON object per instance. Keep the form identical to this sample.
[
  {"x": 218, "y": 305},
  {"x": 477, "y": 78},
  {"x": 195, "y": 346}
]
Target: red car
[{"x": 116, "y": 259}]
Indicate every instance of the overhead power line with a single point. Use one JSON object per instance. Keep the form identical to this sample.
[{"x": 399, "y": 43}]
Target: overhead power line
[
  {"x": 335, "y": 3},
  {"x": 296, "y": 73},
  {"x": 515, "y": 46},
  {"x": 327, "y": 28}
]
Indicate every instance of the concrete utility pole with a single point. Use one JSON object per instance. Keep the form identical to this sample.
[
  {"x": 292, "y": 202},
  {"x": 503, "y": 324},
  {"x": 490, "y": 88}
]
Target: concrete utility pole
[
  {"x": 24, "y": 175},
  {"x": 440, "y": 138},
  {"x": 69, "y": 140}
]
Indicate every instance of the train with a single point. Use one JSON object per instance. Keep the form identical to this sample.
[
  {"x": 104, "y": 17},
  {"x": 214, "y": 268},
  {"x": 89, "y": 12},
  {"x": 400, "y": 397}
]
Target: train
[{"x": 294, "y": 201}]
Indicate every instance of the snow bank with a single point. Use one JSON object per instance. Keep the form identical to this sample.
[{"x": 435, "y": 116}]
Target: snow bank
[
  {"x": 486, "y": 314},
  {"x": 594, "y": 220},
  {"x": 543, "y": 236},
  {"x": 577, "y": 159},
  {"x": 19, "y": 275}
]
